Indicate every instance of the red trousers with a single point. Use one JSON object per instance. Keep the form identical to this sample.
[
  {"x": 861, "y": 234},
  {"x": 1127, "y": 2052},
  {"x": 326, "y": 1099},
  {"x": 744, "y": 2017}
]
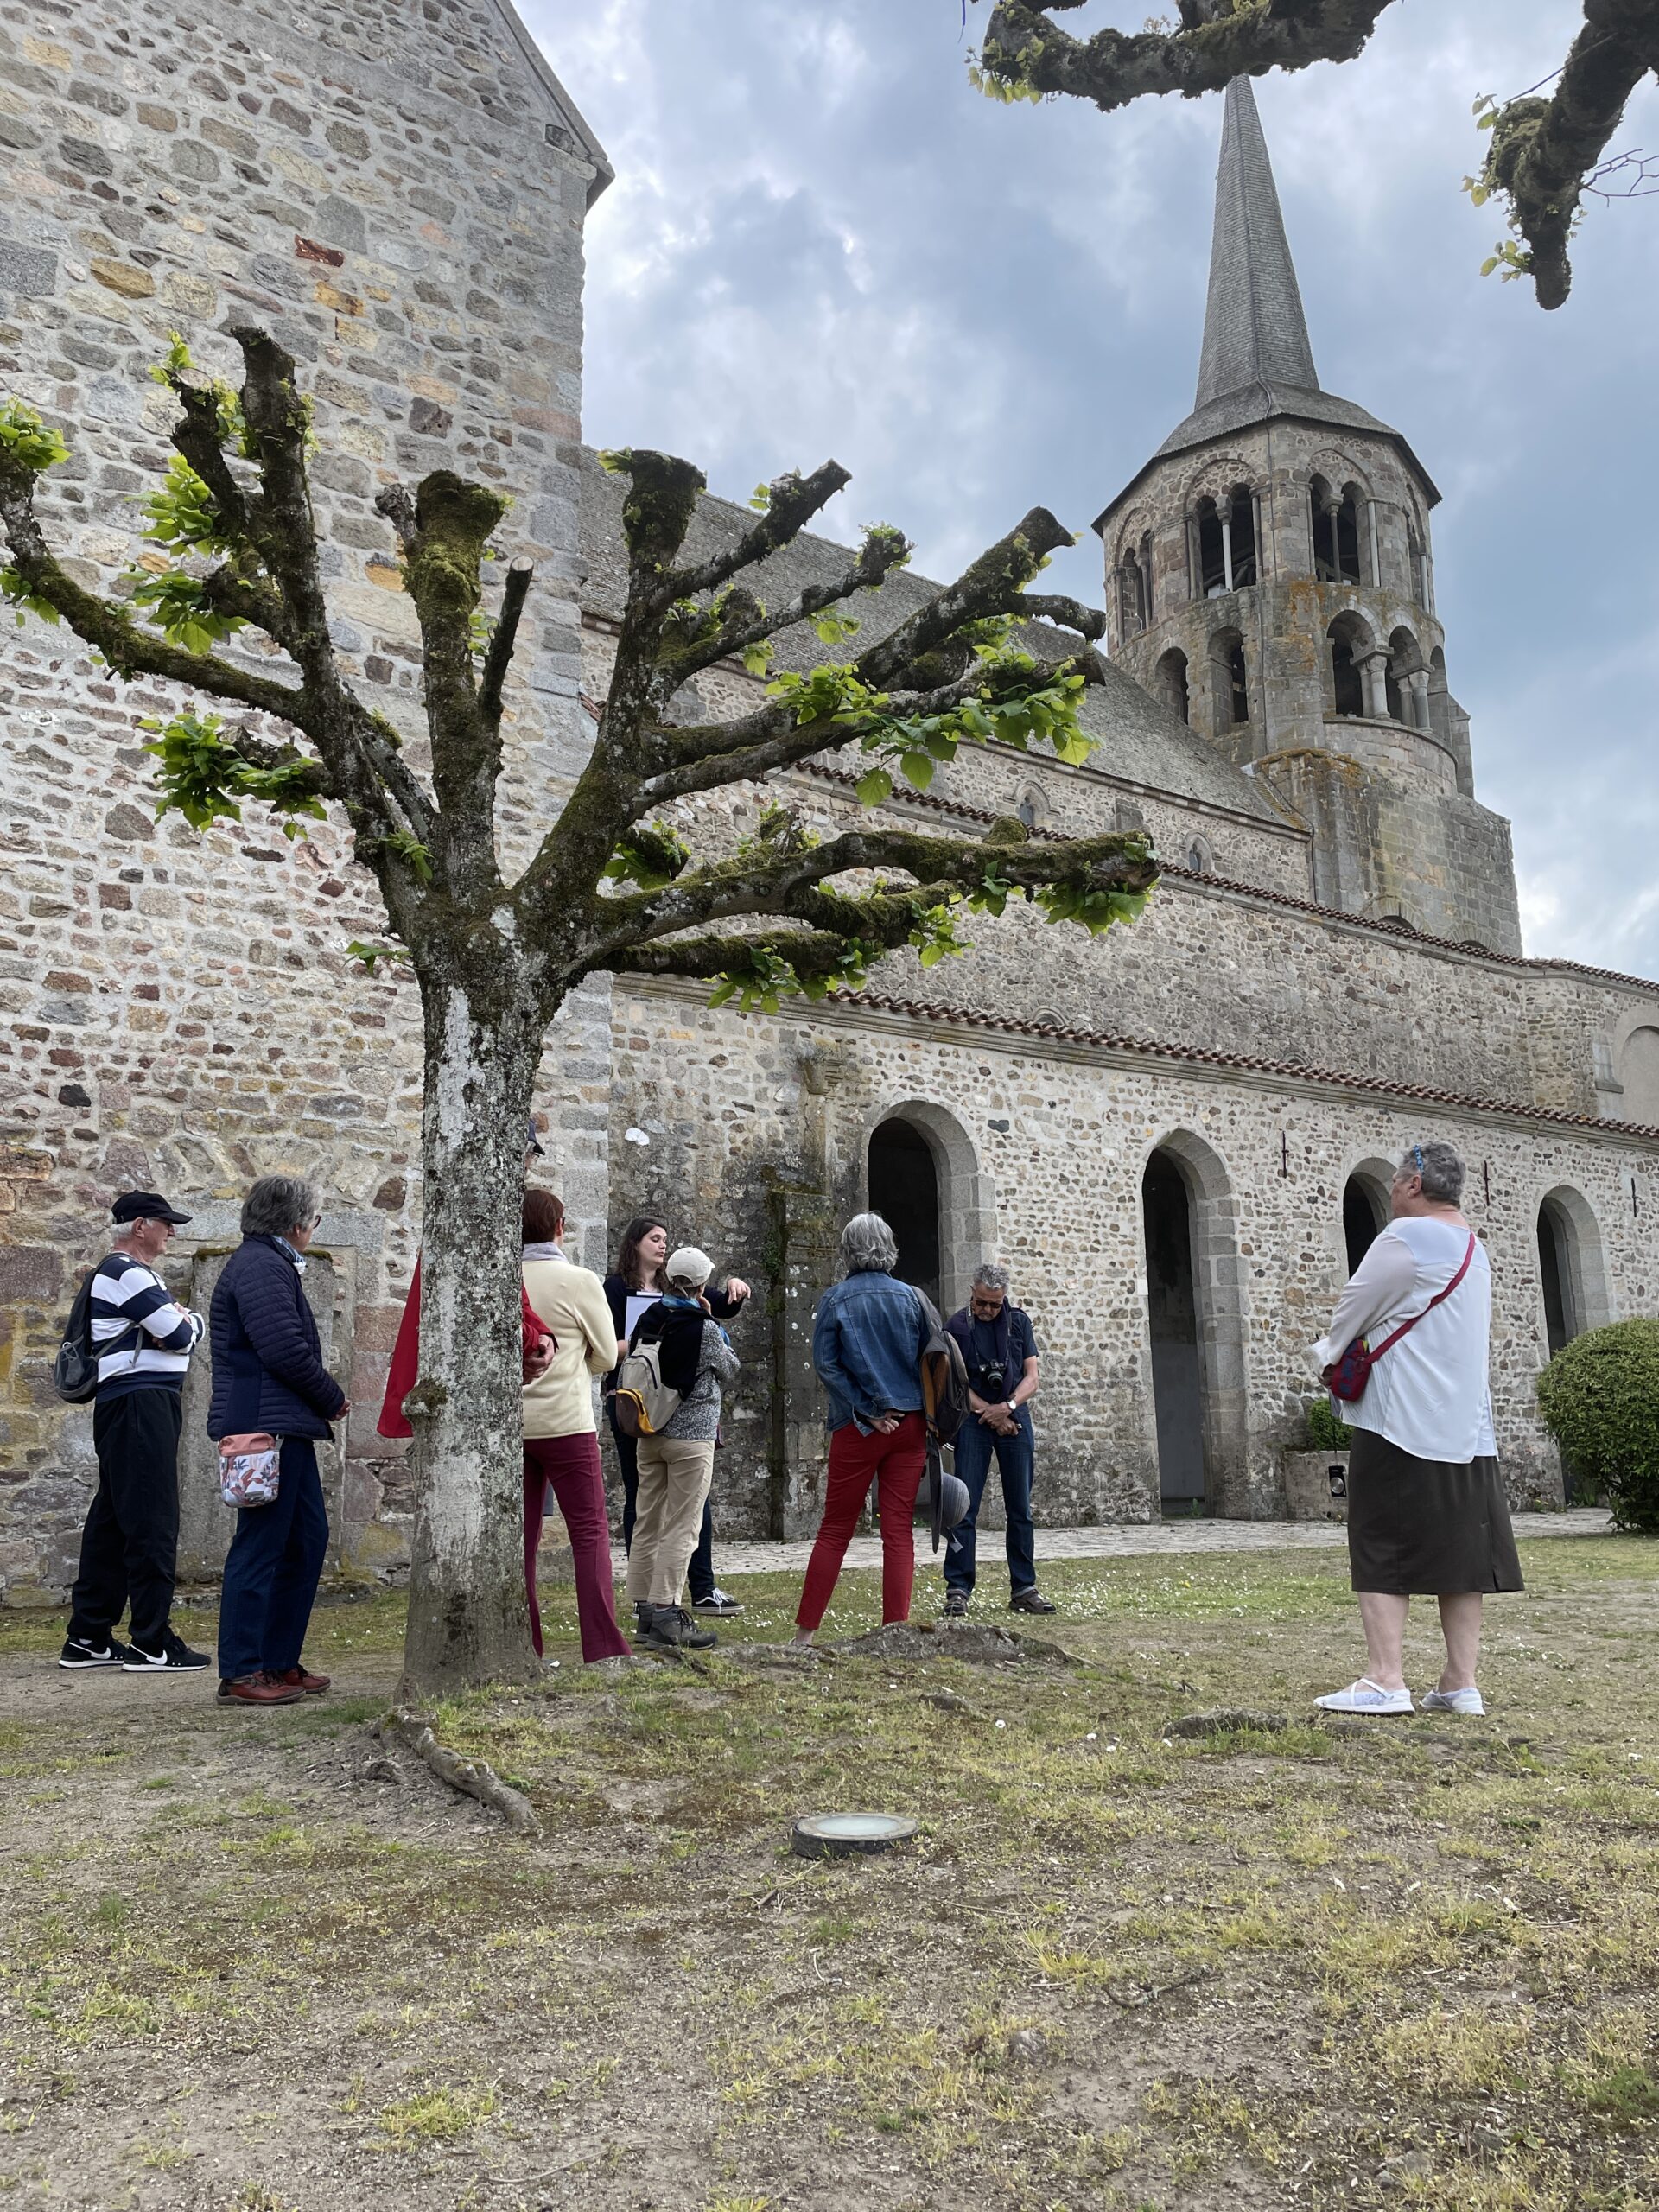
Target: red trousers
[
  {"x": 895, "y": 1464},
  {"x": 570, "y": 1464}
]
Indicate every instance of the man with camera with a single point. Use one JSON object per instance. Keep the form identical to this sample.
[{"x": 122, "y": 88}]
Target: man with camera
[{"x": 999, "y": 1349}]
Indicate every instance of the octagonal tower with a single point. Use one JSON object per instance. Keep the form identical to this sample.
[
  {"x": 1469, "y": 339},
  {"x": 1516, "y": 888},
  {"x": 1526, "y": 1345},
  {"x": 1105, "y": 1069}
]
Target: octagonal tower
[{"x": 1270, "y": 575}]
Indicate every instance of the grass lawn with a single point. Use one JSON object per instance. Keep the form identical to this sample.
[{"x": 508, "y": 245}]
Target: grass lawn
[{"x": 253, "y": 1963}]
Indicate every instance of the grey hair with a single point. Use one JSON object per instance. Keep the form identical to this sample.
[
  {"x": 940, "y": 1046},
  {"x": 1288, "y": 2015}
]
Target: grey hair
[
  {"x": 993, "y": 1276},
  {"x": 868, "y": 1246},
  {"x": 1440, "y": 1169},
  {"x": 276, "y": 1204}
]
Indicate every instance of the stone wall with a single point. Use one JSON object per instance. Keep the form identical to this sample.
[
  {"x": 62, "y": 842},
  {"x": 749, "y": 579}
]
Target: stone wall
[
  {"x": 398, "y": 193},
  {"x": 752, "y": 1137}
]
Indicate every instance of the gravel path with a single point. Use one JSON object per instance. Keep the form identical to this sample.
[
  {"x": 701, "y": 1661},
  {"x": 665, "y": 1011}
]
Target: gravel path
[{"x": 1133, "y": 1539}]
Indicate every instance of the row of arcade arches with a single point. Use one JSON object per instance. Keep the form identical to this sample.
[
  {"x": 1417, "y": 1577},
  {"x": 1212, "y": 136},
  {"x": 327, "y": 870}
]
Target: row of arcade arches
[{"x": 923, "y": 1177}]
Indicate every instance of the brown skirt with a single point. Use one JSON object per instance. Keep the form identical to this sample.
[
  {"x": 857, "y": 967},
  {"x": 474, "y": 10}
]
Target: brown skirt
[{"x": 1426, "y": 1527}]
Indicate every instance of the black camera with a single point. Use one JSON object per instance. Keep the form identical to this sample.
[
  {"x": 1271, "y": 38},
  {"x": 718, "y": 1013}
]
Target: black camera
[{"x": 988, "y": 1382}]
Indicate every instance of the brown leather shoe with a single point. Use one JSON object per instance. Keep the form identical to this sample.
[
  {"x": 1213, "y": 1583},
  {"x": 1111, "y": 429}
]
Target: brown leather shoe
[
  {"x": 312, "y": 1685},
  {"x": 259, "y": 1689}
]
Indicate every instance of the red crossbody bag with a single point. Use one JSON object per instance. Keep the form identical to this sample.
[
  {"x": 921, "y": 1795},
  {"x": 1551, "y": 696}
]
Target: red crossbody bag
[{"x": 1348, "y": 1378}]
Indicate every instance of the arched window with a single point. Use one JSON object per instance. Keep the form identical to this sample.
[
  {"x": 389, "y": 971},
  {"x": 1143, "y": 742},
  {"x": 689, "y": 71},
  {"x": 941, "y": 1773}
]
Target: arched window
[
  {"x": 1422, "y": 586},
  {"x": 1639, "y": 1070},
  {"x": 1351, "y": 646},
  {"x": 1212, "y": 566},
  {"x": 1033, "y": 809},
  {"x": 1227, "y": 547},
  {"x": 1200, "y": 856},
  {"x": 1135, "y": 588},
  {"x": 1439, "y": 699},
  {"x": 1173, "y": 688},
  {"x": 1333, "y": 521},
  {"x": 1230, "y": 691},
  {"x": 1408, "y": 681}
]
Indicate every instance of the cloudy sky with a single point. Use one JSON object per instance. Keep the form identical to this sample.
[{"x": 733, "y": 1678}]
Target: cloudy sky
[{"x": 822, "y": 241}]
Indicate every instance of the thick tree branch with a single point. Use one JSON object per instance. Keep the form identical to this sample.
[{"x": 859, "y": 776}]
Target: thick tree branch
[
  {"x": 791, "y": 882},
  {"x": 1542, "y": 149},
  {"x": 442, "y": 563},
  {"x": 992, "y": 585},
  {"x": 748, "y": 624},
  {"x": 499, "y": 658},
  {"x": 1025, "y": 47},
  {"x": 793, "y": 502},
  {"x": 1540, "y": 152},
  {"x": 129, "y": 649}
]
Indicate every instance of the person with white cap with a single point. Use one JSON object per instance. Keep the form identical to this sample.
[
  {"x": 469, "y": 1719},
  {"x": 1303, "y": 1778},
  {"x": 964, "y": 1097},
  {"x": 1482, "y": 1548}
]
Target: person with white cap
[
  {"x": 142, "y": 1338},
  {"x": 676, "y": 1463}
]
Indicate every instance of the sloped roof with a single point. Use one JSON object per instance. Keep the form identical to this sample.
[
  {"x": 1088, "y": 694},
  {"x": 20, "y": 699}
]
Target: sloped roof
[
  {"x": 569, "y": 117},
  {"x": 1138, "y": 738}
]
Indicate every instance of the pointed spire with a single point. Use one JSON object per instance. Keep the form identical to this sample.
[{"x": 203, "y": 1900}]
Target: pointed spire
[{"x": 1255, "y": 331}]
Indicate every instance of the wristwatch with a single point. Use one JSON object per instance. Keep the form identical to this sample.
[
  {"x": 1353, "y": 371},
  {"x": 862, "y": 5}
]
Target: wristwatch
[{"x": 1014, "y": 1409}]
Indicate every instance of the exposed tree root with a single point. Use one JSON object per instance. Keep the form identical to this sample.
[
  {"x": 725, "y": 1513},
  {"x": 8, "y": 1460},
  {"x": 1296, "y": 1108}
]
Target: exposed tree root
[{"x": 470, "y": 1776}]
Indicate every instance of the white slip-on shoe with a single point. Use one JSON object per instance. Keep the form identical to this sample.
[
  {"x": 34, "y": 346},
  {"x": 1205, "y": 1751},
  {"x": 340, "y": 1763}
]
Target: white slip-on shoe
[
  {"x": 1366, "y": 1696},
  {"x": 1469, "y": 1701}
]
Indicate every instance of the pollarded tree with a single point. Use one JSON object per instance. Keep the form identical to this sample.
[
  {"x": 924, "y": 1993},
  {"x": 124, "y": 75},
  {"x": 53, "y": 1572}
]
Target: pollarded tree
[
  {"x": 609, "y": 888},
  {"x": 1543, "y": 155}
]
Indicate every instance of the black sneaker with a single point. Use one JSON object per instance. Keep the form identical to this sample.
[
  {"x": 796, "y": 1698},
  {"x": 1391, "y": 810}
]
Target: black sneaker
[
  {"x": 174, "y": 1657},
  {"x": 1031, "y": 1601},
  {"x": 956, "y": 1604},
  {"x": 718, "y": 1601},
  {"x": 109, "y": 1654},
  {"x": 672, "y": 1629}
]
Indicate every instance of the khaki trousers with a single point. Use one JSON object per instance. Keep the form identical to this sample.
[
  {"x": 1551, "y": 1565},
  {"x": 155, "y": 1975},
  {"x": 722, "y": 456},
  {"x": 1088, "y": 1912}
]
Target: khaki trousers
[{"x": 674, "y": 1479}]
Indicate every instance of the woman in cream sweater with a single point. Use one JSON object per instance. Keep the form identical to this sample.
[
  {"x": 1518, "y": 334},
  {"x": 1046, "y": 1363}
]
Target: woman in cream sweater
[{"x": 561, "y": 1446}]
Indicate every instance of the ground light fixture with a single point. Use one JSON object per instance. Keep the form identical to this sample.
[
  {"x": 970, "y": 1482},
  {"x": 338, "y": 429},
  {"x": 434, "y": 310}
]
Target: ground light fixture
[{"x": 847, "y": 1835}]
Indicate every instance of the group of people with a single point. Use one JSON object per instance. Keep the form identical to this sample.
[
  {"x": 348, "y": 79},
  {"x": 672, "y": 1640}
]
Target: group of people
[{"x": 1427, "y": 1508}]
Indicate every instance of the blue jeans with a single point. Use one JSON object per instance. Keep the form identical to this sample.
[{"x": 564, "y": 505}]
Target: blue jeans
[
  {"x": 273, "y": 1569},
  {"x": 1014, "y": 1457}
]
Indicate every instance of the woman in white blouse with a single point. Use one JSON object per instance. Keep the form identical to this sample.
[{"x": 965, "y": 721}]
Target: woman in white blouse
[{"x": 1427, "y": 1512}]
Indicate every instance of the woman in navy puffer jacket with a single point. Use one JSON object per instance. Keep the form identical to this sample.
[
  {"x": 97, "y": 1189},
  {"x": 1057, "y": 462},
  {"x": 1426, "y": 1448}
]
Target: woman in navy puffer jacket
[{"x": 268, "y": 1377}]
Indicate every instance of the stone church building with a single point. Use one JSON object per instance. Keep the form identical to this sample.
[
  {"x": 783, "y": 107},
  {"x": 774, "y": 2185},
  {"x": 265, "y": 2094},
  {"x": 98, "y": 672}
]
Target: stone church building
[{"x": 1178, "y": 1136}]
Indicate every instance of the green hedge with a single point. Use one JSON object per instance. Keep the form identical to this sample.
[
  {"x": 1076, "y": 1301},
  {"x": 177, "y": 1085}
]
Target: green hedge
[
  {"x": 1326, "y": 1431},
  {"x": 1599, "y": 1399}
]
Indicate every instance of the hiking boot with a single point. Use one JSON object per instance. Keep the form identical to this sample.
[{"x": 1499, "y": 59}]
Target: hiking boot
[
  {"x": 670, "y": 1628},
  {"x": 312, "y": 1685},
  {"x": 955, "y": 1603},
  {"x": 718, "y": 1601},
  {"x": 174, "y": 1657},
  {"x": 260, "y": 1689},
  {"x": 78, "y": 1655},
  {"x": 1030, "y": 1600}
]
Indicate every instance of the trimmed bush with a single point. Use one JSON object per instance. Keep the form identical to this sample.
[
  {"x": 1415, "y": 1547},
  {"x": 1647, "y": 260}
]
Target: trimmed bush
[
  {"x": 1326, "y": 1431},
  {"x": 1599, "y": 1399}
]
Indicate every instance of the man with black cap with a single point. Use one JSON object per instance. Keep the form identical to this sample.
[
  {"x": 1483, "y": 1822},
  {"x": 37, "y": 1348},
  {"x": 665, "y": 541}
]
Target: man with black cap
[{"x": 142, "y": 1340}]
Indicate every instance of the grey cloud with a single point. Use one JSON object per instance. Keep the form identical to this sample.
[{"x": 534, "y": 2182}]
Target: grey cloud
[{"x": 822, "y": 241}]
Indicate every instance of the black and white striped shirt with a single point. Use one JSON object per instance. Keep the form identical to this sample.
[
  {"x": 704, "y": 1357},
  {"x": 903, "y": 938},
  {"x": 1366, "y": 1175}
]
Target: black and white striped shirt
[{"x": 143, "y": 1337}]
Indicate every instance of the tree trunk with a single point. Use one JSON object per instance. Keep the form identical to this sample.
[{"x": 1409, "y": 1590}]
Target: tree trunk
[{"x": 469, "y": 1623}]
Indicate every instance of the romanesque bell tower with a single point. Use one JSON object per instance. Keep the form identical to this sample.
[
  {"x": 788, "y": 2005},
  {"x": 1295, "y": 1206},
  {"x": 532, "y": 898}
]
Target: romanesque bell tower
[{"x": 1269, "y": 575}]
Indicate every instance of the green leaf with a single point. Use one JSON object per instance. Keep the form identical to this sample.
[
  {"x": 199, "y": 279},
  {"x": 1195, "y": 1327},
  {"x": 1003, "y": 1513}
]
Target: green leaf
[
  {"x": 916, "y": 768},
  {"x": 874, "y": 785},
  {"x": 27, "y": 440},
  {"x": 371, "y": 955},
  {"x": 757, "y": 658}
]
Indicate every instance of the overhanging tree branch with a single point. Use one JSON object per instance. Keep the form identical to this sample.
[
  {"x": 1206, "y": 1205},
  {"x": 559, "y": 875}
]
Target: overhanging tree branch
[{"x": 1541, "y": 155}]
